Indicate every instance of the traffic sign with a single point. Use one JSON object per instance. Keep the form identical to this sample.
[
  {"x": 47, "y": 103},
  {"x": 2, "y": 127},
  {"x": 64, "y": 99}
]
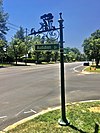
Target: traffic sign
[{"x": 47, "y": 47}]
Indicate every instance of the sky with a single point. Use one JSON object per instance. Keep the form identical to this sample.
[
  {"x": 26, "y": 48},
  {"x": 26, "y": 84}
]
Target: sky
[{"x": 81, "y": 17}]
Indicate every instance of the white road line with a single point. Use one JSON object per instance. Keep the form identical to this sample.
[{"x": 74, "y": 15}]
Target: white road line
[
  {"x": 30, "y": 111},
  {"x": 20, "y": 112},
  {"x": 74, "y": 69},
  {"x": 2, "y": 117},
  {"x": 75, "y": 91},
  {"x": 25, "y": 112}
]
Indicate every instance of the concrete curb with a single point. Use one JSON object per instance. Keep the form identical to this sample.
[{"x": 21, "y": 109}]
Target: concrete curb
[
  {"x": 85, "y": 72},
  {"x": 40, "y": 113},
  {"x": 27, "y": 119}
]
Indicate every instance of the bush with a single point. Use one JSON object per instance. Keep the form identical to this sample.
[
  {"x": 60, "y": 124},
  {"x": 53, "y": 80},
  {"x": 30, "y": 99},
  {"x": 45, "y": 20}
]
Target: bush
[{"x": 29, "y": 60}]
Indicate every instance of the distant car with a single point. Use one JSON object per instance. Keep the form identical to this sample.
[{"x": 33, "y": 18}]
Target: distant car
[
  {"x": 86, "y": 64},
  {"x": 38, "y": 62}
]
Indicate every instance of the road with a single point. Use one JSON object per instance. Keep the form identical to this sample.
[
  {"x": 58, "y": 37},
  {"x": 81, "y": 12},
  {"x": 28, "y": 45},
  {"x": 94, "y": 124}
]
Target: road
[{"x": 26, "y": 90}]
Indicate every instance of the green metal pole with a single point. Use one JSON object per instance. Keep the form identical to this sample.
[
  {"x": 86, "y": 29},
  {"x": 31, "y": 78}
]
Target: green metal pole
[{"x": 63, "y": 121}]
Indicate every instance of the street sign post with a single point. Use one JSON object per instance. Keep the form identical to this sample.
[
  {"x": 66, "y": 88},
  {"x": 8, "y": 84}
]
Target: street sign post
[
  {"x": 47, "y": 47},
  {"x": 63, "y": 121},
  {"x": 47, "y": 27}
]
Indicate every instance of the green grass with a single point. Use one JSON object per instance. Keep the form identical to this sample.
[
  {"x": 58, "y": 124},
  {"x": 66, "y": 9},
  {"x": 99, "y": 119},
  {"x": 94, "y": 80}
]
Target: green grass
[
  {"x": 92, "y": 69},
  {"x": 81, "y": 119},
  {"x": 4, "y": 65}
]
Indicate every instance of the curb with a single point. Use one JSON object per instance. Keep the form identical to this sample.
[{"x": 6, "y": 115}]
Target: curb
[
  {"x": 27, "y": 119},
  {"x": 40, "y": 113},
  {"x": 85, "y": 72}
]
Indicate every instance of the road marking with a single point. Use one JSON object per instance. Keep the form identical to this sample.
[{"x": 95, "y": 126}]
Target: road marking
[
  {"x": 75, "y": 91},
  {"x": 25, "y": 112},
  {"x": 30, "y": 111},
  {"x": 74, "y": 69},
  {"x": 20, "y": 112},
  {"x": 2, "y": 117}
]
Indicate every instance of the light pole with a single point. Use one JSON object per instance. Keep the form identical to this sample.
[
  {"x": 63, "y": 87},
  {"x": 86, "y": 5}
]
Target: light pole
[{"x": 63, "y": 121}]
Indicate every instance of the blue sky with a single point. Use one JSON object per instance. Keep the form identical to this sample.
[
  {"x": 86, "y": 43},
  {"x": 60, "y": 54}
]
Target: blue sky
[{"x": 81, "y": 17}]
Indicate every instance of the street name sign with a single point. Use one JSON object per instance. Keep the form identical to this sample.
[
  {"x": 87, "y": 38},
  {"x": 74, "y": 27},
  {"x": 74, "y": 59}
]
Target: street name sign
[{"x": 47, "y": 47}]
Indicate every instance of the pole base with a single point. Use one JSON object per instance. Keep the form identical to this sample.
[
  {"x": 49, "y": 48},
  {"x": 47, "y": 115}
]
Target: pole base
[{"x": 63, "y": 122}]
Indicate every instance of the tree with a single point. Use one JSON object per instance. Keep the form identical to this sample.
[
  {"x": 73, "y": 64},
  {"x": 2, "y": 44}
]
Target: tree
[
  {"x": 72, "y": 54},
  {"x": 91, "y": 47},
  {"x": 16, "y": 49},
  {"x": 18, "y": 46},
  {"x": 20, "y": 34},
  {"x": 3, "y": 31},
  {"x": 3, "y": 22},
  {"x": 3, "y": 46},
  {"x": 51, "y": 55},
  {"x": 36, "y": 54},
  {"x": 77, "y": 53}
]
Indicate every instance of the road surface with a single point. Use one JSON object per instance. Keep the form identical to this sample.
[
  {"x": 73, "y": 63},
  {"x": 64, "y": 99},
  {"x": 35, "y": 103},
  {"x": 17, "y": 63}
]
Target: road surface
[{"x": 26, "y": 90}]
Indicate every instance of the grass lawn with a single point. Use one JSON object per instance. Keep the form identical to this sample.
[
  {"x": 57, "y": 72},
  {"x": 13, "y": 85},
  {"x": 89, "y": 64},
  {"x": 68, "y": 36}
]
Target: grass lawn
[
  {"x": 83, "y": 118},
  {"x": 4, "y": 65},
  {"x": 92, "y": 69}
]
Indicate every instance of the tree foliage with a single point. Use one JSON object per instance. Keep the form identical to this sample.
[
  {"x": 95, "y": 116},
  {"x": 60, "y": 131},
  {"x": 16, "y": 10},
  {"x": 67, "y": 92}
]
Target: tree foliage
[
  {"x": 20, "y": 34},
  {"x": 3, "y": 31},
  {"x": 3, "y": 45},
  {"x": 3, "y": 22},
  {"x": 91, "y": 46},
  {"x": 22, "y": 45},
  {"x": 73, "y": 54},
  {"x": 17, "y": 47}
]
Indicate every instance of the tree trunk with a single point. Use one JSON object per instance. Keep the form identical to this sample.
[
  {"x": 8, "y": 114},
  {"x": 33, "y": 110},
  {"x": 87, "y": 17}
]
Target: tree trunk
[
  {"x": 16, "y": 59},
  {"x": 97, "y": 62}
]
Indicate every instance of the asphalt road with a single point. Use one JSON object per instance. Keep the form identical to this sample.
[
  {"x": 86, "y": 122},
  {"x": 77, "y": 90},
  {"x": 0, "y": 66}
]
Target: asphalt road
[{"x": 26, "y": 90}]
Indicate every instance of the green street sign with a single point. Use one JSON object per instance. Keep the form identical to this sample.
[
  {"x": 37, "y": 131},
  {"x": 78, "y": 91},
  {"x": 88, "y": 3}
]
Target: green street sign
[{"x": 47, "y": 47}]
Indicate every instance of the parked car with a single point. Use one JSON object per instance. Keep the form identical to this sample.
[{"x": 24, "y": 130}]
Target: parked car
[{"x": 86, "y": 63}]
